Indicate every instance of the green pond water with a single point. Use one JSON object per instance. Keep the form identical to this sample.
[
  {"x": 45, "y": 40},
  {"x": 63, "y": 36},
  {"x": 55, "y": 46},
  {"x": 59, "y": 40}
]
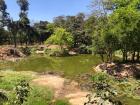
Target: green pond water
[{"x": 70, "y": 66}]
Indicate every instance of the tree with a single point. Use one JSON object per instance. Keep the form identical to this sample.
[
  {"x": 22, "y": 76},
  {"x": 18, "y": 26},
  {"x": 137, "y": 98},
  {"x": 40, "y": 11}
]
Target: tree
[
  {"x": 60, "y": 21},
  {"x": 13, "y": 27},
  {"x": 24, "y": 22},
  {"x": 125, "y": 21},
  {"x": 111, "y": 43},
  {"x": 75, "y": 25},
  {"x": 44, "y": 30},
  {"x": 3, "y": 14},
  {"x": 116, "y": 27},
  {"x": 60, "y": 37},
  {"x": 3, "y": 21}
]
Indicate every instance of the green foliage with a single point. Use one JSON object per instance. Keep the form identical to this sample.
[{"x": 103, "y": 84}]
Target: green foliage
[
  {"x": 10, "y": 79},
  {"x": 61, "y": 102},
  {"x": 31, "y": 95},
  {"x": 119, "y": 30},
  {"x": 100, "y": 77},
  {"x": 104, "y": 95},
  {"x": 39, "y": 96},
  {"x": 4, "y": 14},
  {"x": 125, "y": 22},
  {"x": 75, "y": 25},
  {"x": 104, "y": 92},
  {"x": 22, "y": 92},
  {"x": 57, "y": 52},
  {"x": 26, "y": 50},
  {"x": 60, "y": 37},
  {"x": 3, "y": 98}
]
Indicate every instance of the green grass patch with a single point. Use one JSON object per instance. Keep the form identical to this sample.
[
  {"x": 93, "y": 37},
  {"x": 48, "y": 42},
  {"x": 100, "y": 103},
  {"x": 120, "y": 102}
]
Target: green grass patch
[
  {"x": 9, "y": 79},
  {"x": 62, "y": 102},
  {"x": 39, "y": 96}
]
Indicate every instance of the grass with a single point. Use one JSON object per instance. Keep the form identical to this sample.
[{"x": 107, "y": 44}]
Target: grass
[
  {"x": 61, "y": 102},
  {"x": 9, "y": 79},
  {"x": 39, "y": 96}
]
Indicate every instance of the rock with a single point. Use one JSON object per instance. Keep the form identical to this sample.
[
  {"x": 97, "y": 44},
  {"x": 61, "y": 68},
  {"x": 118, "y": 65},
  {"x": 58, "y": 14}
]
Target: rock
[
  {"x": 110, "y": 65},
  {"x": 78, "y": 98},
  {"x": 137, "y": 91},
  {"x": 124, "y": 74},
  {"x": 52, "y": 47},
  {"x": 98, "y": 69},
  {"x": 9, "y": 53},
  {"x": 72, "y": 53},
  {"x": 40, "y": 52}
]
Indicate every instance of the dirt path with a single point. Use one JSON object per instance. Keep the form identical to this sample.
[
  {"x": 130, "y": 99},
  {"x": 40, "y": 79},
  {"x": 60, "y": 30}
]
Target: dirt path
[{"x": 63, "y": 88}]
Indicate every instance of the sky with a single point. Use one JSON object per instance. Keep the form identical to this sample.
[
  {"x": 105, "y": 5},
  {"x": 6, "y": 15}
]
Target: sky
[{"x": 48, "y": 9}]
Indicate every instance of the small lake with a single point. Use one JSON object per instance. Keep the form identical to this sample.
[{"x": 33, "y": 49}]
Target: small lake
[{"x": 70, "y": 66}]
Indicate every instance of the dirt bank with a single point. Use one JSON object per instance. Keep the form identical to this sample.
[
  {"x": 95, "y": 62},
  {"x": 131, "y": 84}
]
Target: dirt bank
[
  {"x": 63, "y": 88},
  {"x": 10, "y": 54}
]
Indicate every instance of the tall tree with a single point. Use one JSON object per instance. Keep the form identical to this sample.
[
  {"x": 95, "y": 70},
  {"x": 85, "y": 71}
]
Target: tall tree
[
  {"x": 125, "y": 21},
  {"x": 3, "y": 21},
  {"x": 44, "y": 30},
  {"x": 3, "y": 14},
  {"x": 24, "y": 21}
]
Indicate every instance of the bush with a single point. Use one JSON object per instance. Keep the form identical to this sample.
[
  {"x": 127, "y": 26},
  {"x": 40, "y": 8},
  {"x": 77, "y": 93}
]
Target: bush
[
  {"x": 33, "y": 50},
  {"x": 22, "y": 92},
  {"x": 37, "y": 96},
  {"x": 56, "y": 52},
  {"x": 98, "y": 77},
  {"x": 83, "y": 49},
  {"x": 26, "y": 50}
]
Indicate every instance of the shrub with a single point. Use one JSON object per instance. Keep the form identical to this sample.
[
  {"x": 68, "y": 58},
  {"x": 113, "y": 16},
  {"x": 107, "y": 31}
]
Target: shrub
[
  {"x": 22, "y": 92},
  {"x": 98, "y": 77},
  {"x": 26, "y": 50},
  {"x": 3, "y": 98},
  {"x": 83, "y": 49},
  {"x": 56, "y": 52}
]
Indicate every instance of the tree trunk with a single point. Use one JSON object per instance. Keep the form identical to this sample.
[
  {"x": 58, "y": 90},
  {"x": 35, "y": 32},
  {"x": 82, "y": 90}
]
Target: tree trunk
[
  {"x": 102, "y": 57},
  {"x": 125, "y": 56},
  {"x": 138, "y": 56},
  {"x": 133, "y": 56}
]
